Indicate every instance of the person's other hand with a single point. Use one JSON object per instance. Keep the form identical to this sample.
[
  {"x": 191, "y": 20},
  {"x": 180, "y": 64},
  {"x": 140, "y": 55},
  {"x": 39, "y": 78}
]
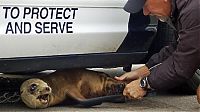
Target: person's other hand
[
  {"x": 198, "y": 94},
  {"x": 130, "y": 76},
  {"x": 134, "y": 91}
]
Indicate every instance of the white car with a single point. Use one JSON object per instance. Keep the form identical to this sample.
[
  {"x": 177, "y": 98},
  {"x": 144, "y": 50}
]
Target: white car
[{"x": 38, "y": 35}]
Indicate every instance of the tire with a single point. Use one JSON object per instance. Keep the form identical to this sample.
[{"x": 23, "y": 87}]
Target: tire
[{"x": 165, "y": 36}]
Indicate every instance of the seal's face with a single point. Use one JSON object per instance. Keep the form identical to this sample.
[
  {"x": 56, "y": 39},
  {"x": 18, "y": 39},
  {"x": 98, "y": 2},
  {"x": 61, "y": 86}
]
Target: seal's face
[{"x": 35, "y": 93}]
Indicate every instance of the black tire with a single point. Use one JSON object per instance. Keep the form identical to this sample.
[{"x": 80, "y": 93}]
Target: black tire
[{"x": 165, "y": 36}]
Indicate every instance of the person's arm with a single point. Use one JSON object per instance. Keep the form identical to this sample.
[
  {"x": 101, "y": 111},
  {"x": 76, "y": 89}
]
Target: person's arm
[
  {"x": 181, "y": 65},
  {"x": 198, "y": 94},
  {"x": 176, "y": 69},
  {"x": 161, "y": 56},
  {"x": 135, "y": 74},
  {"x": 144, "y": 70}
]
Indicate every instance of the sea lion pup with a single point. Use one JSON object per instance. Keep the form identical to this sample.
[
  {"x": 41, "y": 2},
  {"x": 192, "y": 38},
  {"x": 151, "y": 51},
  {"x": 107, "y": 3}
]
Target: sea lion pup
[
  {"x": 198, "y": 94},
  {"x": 63, "y": 85}
]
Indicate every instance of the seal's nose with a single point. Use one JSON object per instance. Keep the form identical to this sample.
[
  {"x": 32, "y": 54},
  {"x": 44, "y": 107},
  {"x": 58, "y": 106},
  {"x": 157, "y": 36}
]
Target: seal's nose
[{"x": 48, "y": 89}]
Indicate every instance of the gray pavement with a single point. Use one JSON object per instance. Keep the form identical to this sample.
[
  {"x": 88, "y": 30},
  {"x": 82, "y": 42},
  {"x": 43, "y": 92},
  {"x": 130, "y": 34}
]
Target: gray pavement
[{"x": 160, "y": 102}]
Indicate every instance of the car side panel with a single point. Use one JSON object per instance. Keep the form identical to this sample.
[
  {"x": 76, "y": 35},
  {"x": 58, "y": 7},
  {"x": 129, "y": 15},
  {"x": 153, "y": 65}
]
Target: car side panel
[{"x": 87, "y": 30}]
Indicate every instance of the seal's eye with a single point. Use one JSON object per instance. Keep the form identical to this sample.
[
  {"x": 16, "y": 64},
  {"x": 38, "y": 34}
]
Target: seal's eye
[{"x": 33, "y": 87}]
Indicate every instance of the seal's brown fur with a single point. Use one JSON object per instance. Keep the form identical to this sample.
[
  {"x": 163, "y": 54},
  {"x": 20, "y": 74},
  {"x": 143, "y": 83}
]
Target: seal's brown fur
[{"x": 64, "y": 85}]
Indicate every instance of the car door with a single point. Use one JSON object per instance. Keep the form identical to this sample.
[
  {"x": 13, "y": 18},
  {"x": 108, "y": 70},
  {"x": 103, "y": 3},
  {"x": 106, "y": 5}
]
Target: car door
[{"x": 30, "y": 28}]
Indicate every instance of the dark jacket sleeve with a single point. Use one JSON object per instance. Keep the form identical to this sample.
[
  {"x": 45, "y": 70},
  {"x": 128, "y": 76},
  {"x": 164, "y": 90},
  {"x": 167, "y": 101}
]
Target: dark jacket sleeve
[
  {"x": 161, "y": 56},
  {"x": 185, "y": 60},
  {"x": 181, "y": 65}
]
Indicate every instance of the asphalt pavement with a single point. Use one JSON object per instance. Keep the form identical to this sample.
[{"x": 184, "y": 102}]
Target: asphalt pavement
[{"x": 160, "y": 102}]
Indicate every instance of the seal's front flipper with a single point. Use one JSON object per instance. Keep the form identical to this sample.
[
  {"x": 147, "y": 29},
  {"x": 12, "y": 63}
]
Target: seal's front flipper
[
  {"x": 98, "y": 100},
  {"x": 74, "y": 94},
  {"x": 114, "y": 94},
  {"x": 81, "y": 101}
]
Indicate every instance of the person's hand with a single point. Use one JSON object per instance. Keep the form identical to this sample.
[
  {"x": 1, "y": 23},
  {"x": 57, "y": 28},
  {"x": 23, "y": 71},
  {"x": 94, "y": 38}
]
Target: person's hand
[
  {"x": 130, "y": 76},
  {"x": 198, "y": 94},
  {"x": 134, "y": 91}
]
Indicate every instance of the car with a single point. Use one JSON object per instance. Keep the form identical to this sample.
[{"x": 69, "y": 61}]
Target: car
[{"x": 39, "y": 35}]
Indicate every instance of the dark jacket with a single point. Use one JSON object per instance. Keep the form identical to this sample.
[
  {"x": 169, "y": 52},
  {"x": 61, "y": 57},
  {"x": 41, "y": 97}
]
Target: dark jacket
[{"x": 177, "y": 64}]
